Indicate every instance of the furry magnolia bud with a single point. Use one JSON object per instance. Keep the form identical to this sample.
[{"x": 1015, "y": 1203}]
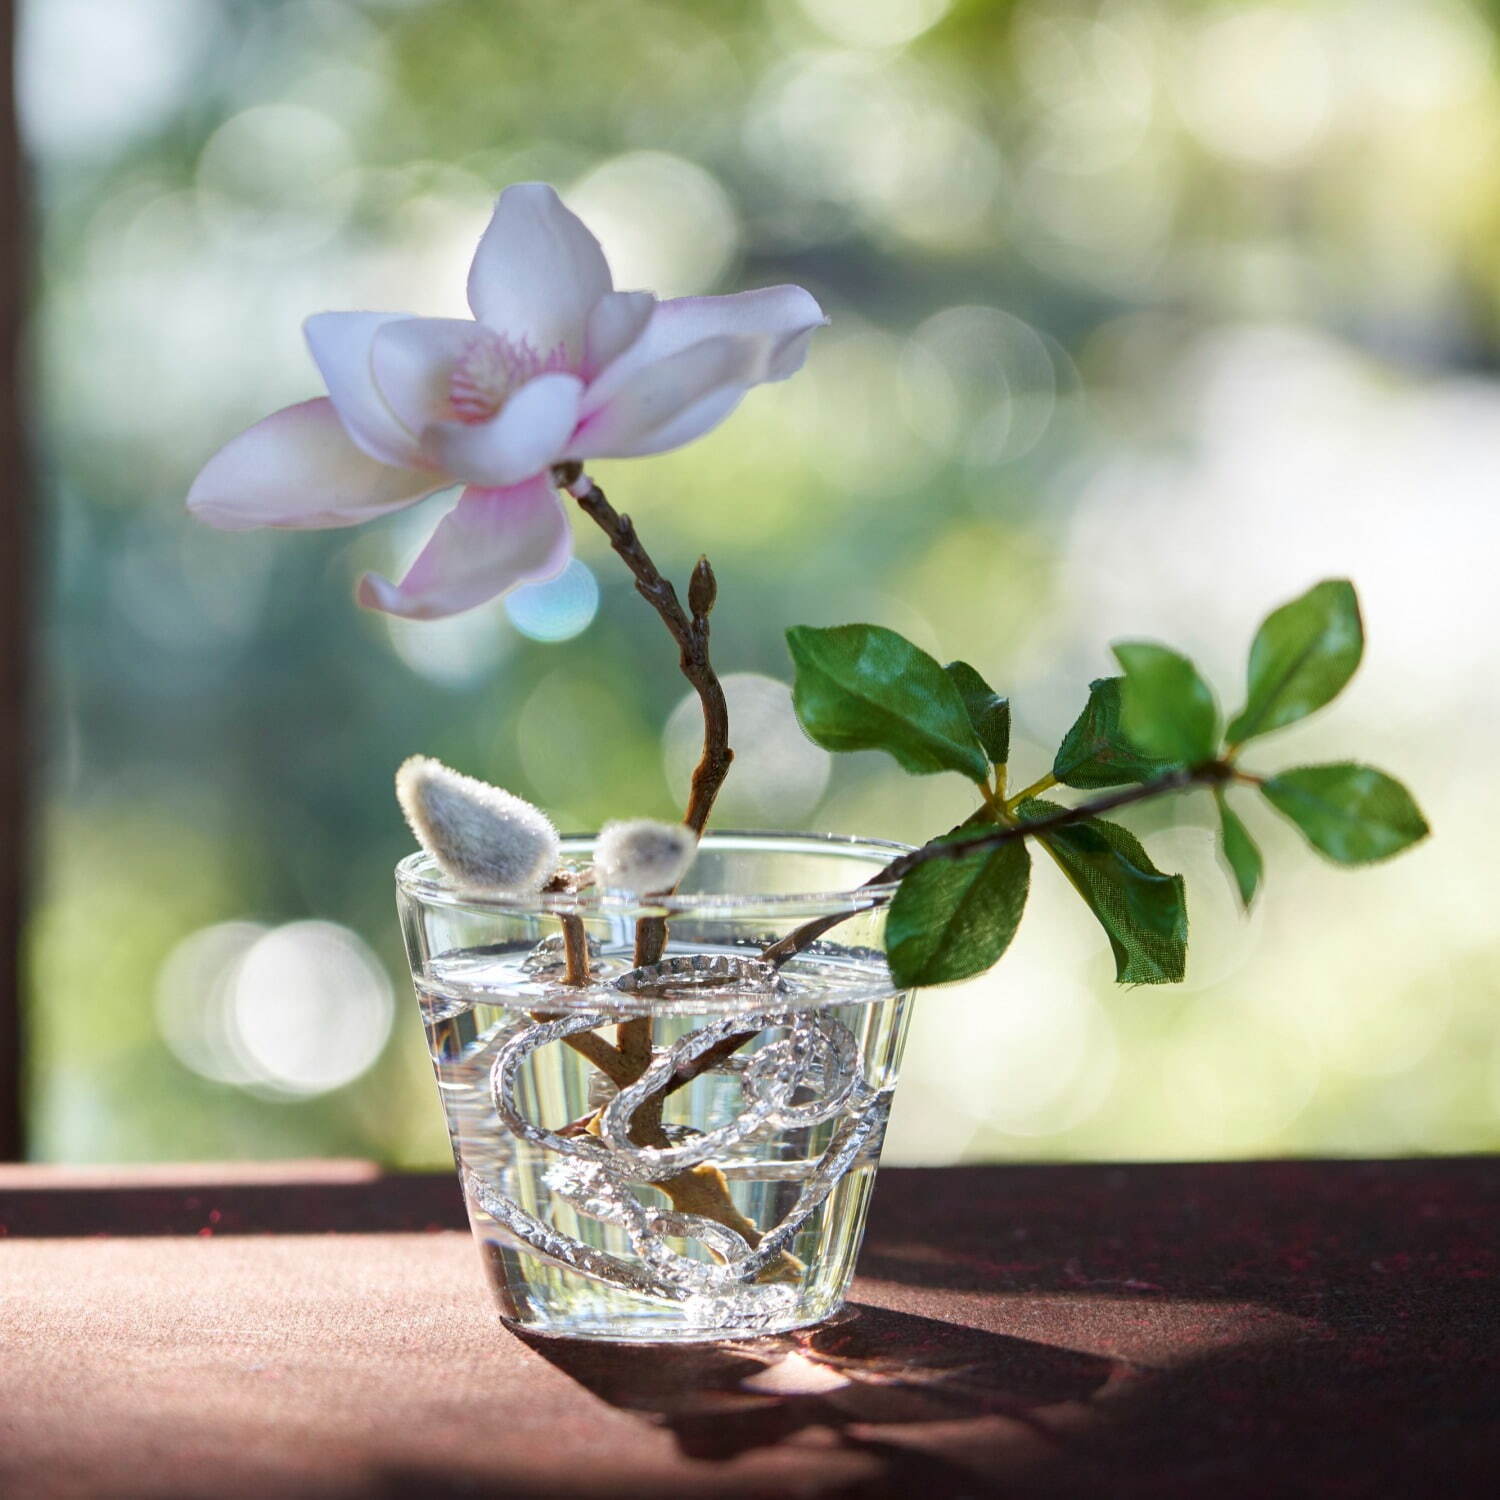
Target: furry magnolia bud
[
  {"x": 643, "y": 855},
  {"x": 483, "y": 838}
]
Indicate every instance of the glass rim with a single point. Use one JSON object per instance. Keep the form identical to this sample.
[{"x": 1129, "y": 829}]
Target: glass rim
[{"x": 418, "y": 878}]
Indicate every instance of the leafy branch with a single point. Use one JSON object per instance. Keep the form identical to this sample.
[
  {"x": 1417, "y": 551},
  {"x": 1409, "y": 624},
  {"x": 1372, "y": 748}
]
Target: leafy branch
[{"x": 1154, "y": 730}]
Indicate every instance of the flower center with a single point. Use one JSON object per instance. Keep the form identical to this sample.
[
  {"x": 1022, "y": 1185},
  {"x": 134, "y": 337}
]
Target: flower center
[{"x": 493, "y": 366}]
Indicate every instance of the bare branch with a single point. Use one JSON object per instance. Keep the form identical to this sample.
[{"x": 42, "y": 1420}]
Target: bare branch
[{"x": 690, "y": 631}]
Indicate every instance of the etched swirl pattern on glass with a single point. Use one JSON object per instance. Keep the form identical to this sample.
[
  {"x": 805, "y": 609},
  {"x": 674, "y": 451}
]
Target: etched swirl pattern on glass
[{"x": 722, "y": 1220}]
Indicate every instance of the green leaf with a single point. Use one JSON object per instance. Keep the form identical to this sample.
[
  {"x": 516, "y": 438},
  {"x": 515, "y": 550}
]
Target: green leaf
[
  {"x": 1095, "y": 753},
  {"x": 1240, "y": 851},
  {"x": 988, "y": 712},
  {"x": 1142, "y": 911},
  {"x": 953, "y": 918},
  {"x": 1302, "y": 656},
  {"x": 1167, "y": 711},
  {"x": 1354, "y": 814},
  {"x": 862, "y": 687}
]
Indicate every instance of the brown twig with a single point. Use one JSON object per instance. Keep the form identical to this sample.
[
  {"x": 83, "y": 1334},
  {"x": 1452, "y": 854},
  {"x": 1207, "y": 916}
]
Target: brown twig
[
  {"x": 576, "y": 973},
  {"x": 575, "y": 950},
  {"x": 590, "y": 1045},
  {"x": 702, "y": 1189},
  {"x": 688, "y": 627},
  {"x": 574, "y": 934}
]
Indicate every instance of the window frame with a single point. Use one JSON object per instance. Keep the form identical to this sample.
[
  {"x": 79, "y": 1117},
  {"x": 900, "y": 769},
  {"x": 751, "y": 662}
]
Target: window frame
[{"x": 15, "y": 596}]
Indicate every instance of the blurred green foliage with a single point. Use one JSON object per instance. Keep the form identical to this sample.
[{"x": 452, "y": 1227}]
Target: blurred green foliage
[{"x": 1143, "y": 314}]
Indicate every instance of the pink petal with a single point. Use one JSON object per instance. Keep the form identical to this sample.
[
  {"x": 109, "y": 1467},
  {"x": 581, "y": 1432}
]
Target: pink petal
[
  {"x": 490, "y": 541},
  {"x": 618, "y": 319},
  {"x": 341, "y": 344},
  {"x": 298, "y": 468},
  {"x": 527, "y": 437},
  {"x": 537, "y": 272},
  {"x": 672, "y": 400},
  {"x": 412, "y": 361},
  {"x": 784, "y": 317},
  {"x": 691, "y": 422}
]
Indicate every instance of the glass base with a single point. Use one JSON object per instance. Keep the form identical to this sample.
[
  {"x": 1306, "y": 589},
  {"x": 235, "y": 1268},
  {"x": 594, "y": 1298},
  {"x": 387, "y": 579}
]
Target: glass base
[{"x": 645, "y": 1331}]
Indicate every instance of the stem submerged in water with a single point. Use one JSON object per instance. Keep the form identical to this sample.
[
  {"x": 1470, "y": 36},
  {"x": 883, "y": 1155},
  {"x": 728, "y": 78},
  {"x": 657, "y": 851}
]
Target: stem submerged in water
[
  {"x": 703, "y": 1190},
  {"x": 700, "y": 1190}
]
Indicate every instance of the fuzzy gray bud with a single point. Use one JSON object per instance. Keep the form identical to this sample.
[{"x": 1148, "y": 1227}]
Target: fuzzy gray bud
[
  {"x": 643, "y": 856},
  {"x": 483, "y": 838}
]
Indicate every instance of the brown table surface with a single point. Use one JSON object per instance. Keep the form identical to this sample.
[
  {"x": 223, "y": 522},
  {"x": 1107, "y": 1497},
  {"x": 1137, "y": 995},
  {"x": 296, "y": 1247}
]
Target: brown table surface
[{"x": 317, "y": 1329}]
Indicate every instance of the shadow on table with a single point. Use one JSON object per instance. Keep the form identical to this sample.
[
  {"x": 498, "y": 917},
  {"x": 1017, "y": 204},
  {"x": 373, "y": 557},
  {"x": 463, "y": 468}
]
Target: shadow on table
[
  {"x": 1273, "y": 1328},
  {"x": 1292, "y": 1328},
  {"x": 1300, "y": 1327},
  {"x": 868, "y": 1368}
]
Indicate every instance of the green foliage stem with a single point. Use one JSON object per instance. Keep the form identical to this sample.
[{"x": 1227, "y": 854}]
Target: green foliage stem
[
  {"x": 1142, "y": 910},
  {"x": 1095, "y": 752},
  {"x": 1301, "y": 658},
  {"x": 1353, "y": 814},
  {"x": 1154, "y": 730},
  {"x": 989, "y": 713},
  {"x": 862, "y": 687},
  {"x": 953, "y": 919},
  {"x": 1241, "y": 853},
  {"x": 1167, "y": 711}
]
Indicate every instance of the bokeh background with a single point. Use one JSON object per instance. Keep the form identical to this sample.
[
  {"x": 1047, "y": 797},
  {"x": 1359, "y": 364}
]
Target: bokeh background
[{"x": 1145, "y": 317}]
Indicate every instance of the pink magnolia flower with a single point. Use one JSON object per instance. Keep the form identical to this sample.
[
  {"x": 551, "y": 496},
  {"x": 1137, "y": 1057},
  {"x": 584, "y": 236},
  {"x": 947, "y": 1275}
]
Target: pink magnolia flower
[{"x": 555, "y": 365}]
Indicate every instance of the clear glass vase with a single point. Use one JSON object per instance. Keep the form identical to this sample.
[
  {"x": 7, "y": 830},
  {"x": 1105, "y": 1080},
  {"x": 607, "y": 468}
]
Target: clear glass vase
[{"x": 661, "y": 1134}]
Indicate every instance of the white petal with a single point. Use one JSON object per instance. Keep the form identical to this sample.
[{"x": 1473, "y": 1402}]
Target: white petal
[
  {"x": 537, "y": 272},
  {"x": 617, "y": 321},
  {"x": 527, "y": 437},
  {"x": 691, "y": 422},
  {"x": 490, "y": 541},
  {"x": 712, "y": 375},
  {"x": 783, "y": 316},
  {"x": 341, "y": 345},
  {"x": 413, "y": 360},
  {"x": 298, "y": 468}
]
